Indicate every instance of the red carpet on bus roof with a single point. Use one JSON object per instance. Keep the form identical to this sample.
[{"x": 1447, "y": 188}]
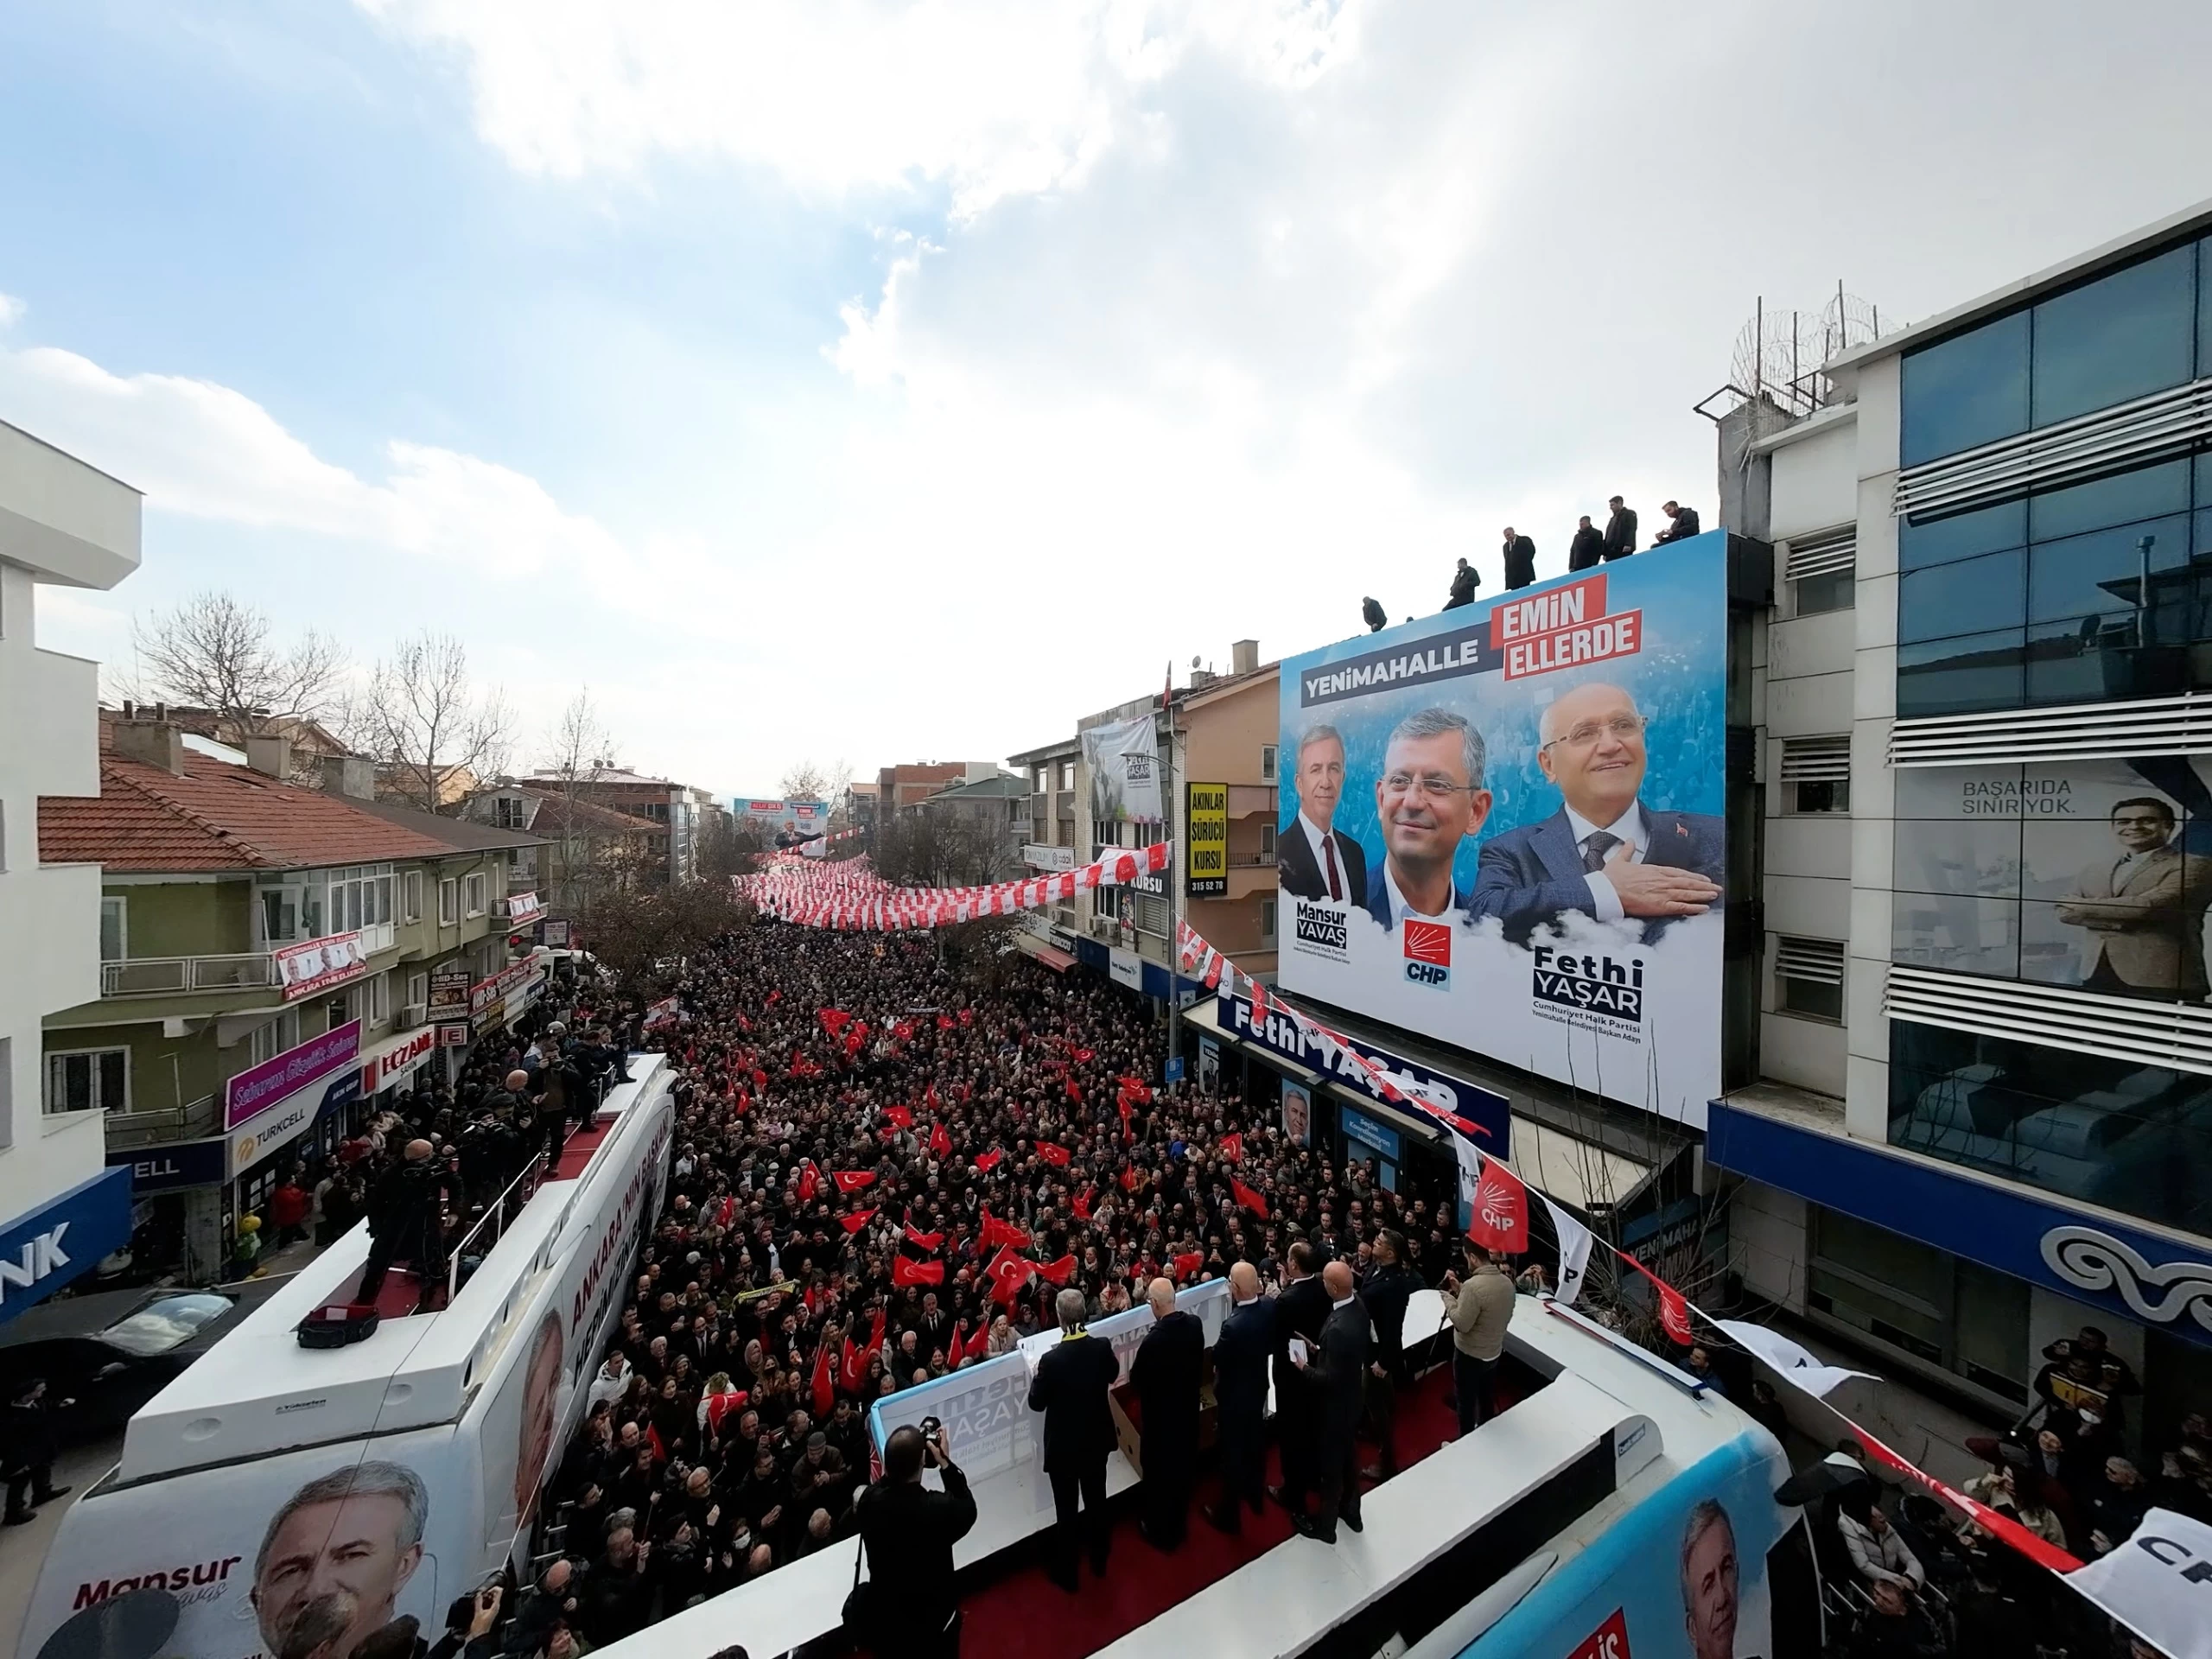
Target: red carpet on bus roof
[
  {"x": 1024, "y": 1614},
  {"x": 578, "y": 1150}
]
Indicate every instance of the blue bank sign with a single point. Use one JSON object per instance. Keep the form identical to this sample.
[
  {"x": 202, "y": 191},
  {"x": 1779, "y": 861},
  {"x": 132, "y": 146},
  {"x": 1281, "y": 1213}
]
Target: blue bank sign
[
  {"x": 2134, "y": 1274},
  {"x": 44, "y": 1250},
  {"x": 1489, "y": 1112}
]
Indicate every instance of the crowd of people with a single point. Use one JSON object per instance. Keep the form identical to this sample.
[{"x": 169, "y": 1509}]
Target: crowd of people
[
  {"x": 1586, "y": 549},
  {"x": 884, "y": 1172}
]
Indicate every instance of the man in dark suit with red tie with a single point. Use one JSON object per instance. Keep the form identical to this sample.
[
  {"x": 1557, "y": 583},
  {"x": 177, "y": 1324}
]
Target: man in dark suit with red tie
[{"x": 1311, "y": 860}]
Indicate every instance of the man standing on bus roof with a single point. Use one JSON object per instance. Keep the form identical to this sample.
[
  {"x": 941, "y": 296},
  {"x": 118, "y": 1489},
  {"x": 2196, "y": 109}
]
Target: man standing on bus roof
[
  {"x": 1603, "y": 853},
  {"x": 336, "y": 1557},
  {"x": 1709, "y": 1582},
  {"x": 1429, "y": 798}
]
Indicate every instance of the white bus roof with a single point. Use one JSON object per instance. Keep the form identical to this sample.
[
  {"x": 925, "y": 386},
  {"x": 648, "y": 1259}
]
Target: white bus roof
[{"x": 257, "y": 1391}]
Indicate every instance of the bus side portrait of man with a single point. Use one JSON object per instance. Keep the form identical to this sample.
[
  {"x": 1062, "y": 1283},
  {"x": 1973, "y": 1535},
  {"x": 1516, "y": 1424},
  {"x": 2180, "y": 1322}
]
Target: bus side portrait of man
[
  {"x": 1603, "y": 853},
  {"x": 1312, "y": 860},
  {"x": 1710, "y": 1582},
  {"x": 1429, "y": 798},
  {"x": 336, "y": 1557}
]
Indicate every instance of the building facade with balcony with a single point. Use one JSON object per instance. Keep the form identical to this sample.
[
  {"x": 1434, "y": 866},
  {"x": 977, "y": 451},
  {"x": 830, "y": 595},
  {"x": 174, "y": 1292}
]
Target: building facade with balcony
[
  {"x": 673, "y": 810},
  {"x": 65, "y": 522},
  {"x": 1987, "y": 752},
  {"x": 265, "y": 951},
  {"x": 1227, "y": 729}
]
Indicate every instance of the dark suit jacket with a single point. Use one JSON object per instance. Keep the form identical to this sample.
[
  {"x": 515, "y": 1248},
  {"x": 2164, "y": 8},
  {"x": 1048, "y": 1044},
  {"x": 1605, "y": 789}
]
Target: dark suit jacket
[
  {"x": 1586, "y": 549},
  {"x": 1240, "y": 1361},
  {"x": 1529, "y": 876},
  {"x": 1298, "y": 867},
  {"x": 909, "y": 1531},
  {"x": 1378, "y": 901},
  {"x": 1166, "y": 1374},
  {"x": 1301, "y": 1311},
  {"x": 1520, "y": 562},
  {"x": 1463, "y": 588},
  {"x": 1683, "y": 527},
  {"x": 1620, "y": 534},
  {"x": 1342, "y": 1372},
  {"x": 1070, "y": 1388},
  {"x": 1386, "y": 1293}
]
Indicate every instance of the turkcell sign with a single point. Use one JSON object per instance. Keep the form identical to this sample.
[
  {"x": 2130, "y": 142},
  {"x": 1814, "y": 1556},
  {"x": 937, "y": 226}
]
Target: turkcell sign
[{"x": 1491, "y": 1113}]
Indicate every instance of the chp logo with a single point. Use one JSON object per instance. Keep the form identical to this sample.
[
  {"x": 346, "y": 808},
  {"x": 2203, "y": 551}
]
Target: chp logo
[
  {"x": 1589, "y": 983},
  {"x": 1428, "y": 954}
]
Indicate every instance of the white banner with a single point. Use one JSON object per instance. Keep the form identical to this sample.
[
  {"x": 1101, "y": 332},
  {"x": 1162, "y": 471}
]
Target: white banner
[
  {"x": 1792, "y": 1361},
  {"x": 1573, "y": 1250},
  {"x": 2158, "y": 1584},
  {"x": 1124, "y": 762}
]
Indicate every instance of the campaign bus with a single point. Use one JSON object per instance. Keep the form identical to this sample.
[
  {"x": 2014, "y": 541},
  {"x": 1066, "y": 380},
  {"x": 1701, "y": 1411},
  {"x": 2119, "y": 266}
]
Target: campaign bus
[{"x": 285, "y": 1501}]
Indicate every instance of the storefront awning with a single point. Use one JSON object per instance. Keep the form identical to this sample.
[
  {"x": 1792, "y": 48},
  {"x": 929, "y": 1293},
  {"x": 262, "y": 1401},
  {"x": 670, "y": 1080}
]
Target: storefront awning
[
  {"x": 1059, "y": 961},
  {"x": 1572, "y": 1171}
]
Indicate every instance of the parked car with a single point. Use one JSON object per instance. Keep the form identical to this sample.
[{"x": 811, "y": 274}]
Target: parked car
[{"x": 112, "y": 1351}]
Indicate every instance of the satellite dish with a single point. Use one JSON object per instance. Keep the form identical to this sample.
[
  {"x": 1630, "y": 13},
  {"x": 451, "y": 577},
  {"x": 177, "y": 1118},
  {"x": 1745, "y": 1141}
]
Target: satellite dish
[{"x": 1194, "y": 662}]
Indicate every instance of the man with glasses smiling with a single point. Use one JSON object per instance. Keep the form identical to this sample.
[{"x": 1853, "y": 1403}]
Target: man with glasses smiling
[
  {"x": 1429, "y": 798},
  {"x": 1603, "y": 853}
]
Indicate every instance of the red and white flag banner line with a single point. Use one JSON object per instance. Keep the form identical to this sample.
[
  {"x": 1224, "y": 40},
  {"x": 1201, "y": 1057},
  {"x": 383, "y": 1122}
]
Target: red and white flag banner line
[{"x": 850, "y": 895}]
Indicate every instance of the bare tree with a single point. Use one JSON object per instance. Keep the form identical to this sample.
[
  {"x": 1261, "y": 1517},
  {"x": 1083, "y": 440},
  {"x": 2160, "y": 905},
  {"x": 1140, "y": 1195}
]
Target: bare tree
[
  {"x": 726, "y": 846},
  {"x": 804, "y": 782},
  {"x": 214, "y": 651},
  {"x": 431, "y": 727},
  {"x": 576, "y": 754},
  {"x": 646, "y": 937}
]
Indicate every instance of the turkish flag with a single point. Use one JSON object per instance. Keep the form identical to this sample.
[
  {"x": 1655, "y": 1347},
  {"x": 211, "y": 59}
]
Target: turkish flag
[
  {"x": 905, "y": 1271},
  {"x": 852, "y": 1367},
  {"x": 1245, "y": 1195},
  {"x": 901, "y": 1115},
  {"x": 954, "y": 1349},
  {"x": 930, "y": 1242},
  {"x": 1132, "y": 1180},
  {"x": 1075, "y": 1091},
  {"x": 833, "y": 1020},
  {"x": 1136, "y": 1091},
  {"x": 824, "y": 1393},
  {"x": 1187, "y": 1264},
  {"x": 945, "y": 1022},
  {"x": 759, "y": 1078},
  {"x": 853, "y": 1041},
  {"x": 810, "y": 1183},
  {"x": 996, "y": 1232},
  {"x": 967, "y": 1016},
  {"x": 857, "y": 1220},
  {"x": 940, "y": 1142},
  {"x": 1009, "y": 1273},
  {"x": 1500, "y": 1207},
  {"x": 1083, "y": 1201},
  {"x": 986, "y": 1162},
  {"x": 902, "y": 1029},
  {"x": 929, "y": 1099},
  {"x": 1055, "y": 1156},
  {"x": 1084, "y": 1056},
  {"x": 1058, "y": 1272},
  {"x": 852, "y": 1180},
  {"x": 1674, "y": 1308},
  {"x": 1232, "y": 1148}
]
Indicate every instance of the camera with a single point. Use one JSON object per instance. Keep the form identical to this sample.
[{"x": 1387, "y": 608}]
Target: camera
[{"x": 931, "y": 1428}]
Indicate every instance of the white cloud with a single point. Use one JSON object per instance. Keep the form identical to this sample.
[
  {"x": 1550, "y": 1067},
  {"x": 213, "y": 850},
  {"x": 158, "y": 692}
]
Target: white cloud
[
  {"x": 986, "y": 98},
  {"x": 11, "y": 310}
]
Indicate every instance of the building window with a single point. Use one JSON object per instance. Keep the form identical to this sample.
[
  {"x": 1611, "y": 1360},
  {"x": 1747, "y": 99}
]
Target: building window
[
  {"x": 1816, "y": 774},
  {"x": 418, "y": 991},
  {"x": 1267, "y": 763},
  {"x": 1818, "y": 568},
  {"x": 1836, "y": 591},
  {"x": 2096, "y": 592},
  {"x": 2116, "y": 1133},
  {"x": 2120, "y": 336},
  {"x": 90, "y": 1080},
  {"x": 474, "y": 885},
  {"x": 1154, "y": 916},
  {"x": 410, "y": 902},
  {"x": 1809, "y": 978},
  {"x": 1267, "y": 921},
  {"x": 508, "y": 811},
  {"x": 449, "y": 902},
  {"x": 1943, "y": 1310},
  {"x": 115, "y": 930},
  {"x": 1267, "y": 842},
  {"x": 1067, "y": 774},
  {"x": 261, "y": 1044},
  {"x": 378, "y": 992}
]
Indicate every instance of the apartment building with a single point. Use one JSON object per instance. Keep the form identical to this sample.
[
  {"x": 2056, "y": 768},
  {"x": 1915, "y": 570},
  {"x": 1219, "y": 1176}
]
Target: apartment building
[
  {"x": 673, "y": 809},
  {"x": 65, "y": 522}
]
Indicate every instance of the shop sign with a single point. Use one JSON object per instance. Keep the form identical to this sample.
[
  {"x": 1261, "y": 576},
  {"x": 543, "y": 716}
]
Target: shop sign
[
  {"x": 258, "y": 1088},
  {"x": 554, "y": 935},
  {"x": 395, "y": 1058},
  {"x": 52, "y": 1245},
  {"x": 485, "y": 992},
  {"x": 173, "y": 1167},
  {"x": 1038, "y": 856},
  {"x": 448, "y": 993},
  {"x": 1124, "y": 968},
  {"x": 1364, "y": 1131},
  {"x": 303, "y": 970},
  {"x": 454, "y": 1036},
  {"x": 288, "y": 1120}
]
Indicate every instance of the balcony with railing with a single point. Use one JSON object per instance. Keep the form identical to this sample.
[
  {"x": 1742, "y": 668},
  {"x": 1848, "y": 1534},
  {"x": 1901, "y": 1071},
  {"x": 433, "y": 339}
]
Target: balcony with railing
[
  {"x": 251, "y": 971},
  {"x": 129, "y": 1130}
]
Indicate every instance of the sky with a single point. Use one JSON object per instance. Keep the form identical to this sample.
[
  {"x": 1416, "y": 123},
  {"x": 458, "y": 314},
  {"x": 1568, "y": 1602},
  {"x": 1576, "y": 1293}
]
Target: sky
[{"x": 827, "y": 379}]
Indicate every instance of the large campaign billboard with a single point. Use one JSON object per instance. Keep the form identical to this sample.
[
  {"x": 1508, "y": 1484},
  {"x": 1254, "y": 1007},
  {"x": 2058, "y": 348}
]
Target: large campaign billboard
[{"x": 1501, "y": 827}]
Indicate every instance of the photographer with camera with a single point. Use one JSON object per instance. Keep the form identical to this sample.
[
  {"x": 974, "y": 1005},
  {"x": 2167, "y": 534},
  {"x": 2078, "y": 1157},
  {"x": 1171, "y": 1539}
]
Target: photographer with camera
[{"x": 908, "y": 1606}]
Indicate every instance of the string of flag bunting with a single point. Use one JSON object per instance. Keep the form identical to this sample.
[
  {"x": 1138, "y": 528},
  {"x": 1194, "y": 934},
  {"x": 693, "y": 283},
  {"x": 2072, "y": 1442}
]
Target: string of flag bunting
[{"x": 850, "y": 895}]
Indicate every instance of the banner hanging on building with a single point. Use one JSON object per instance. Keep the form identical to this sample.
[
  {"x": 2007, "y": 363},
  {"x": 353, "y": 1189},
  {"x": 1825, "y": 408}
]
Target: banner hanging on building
[
  {"x": 1206, "y": 840},
  {"x": 1124, "y": 761},
  {"x": 1501, "y": 827}
]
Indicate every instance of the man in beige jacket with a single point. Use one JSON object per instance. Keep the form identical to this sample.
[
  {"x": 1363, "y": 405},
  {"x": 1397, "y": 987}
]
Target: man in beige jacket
[{"x": 1480, "y": 1307}]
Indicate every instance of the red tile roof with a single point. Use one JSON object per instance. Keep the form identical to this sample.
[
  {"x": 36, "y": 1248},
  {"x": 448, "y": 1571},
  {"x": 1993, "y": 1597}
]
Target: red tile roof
[{"x": 216, "y": 817}]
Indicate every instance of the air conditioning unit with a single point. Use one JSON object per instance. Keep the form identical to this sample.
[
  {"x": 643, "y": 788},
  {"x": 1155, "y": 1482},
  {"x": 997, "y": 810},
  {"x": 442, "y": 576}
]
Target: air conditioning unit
[
  {"x": 1100, "y": 926},
  {"x": 410, "y": 1016}
]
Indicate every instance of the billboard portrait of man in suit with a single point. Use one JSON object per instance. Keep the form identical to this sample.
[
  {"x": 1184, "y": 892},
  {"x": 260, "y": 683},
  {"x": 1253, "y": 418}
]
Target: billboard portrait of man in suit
[
  {"x": 1604, "y": 853},
  {"x": 1429, "y": 798},
  {"x": 2144, "y": 907},
  {"x": 1313, "y": 860}
]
